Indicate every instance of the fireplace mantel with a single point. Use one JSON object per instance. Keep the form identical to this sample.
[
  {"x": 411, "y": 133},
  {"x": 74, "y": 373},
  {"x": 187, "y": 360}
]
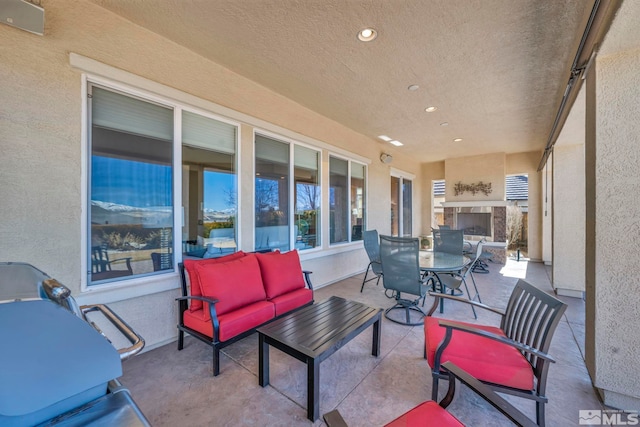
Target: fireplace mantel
[{"x": 475, "y": 203}]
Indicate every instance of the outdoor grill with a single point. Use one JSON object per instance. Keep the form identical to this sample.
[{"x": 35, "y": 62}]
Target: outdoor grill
[{"x": 57, "y": 367}]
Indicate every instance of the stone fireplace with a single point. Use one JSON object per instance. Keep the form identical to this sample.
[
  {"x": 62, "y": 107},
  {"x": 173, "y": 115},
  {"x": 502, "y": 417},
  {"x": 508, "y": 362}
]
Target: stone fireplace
[{"x": 487, "y": 219}]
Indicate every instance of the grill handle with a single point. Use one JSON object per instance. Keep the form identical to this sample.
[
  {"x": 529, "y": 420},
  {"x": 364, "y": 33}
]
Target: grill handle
[{"x": 137, "y": 342}]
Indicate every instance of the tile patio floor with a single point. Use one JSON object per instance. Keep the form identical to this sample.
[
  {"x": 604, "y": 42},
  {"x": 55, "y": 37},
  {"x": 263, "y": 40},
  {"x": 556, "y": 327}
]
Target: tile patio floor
[{"x": 176, "y": 388}]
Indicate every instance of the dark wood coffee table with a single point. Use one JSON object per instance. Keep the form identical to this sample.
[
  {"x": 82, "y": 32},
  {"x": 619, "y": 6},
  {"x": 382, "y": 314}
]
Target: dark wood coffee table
[{"x": 314, "y": 333}]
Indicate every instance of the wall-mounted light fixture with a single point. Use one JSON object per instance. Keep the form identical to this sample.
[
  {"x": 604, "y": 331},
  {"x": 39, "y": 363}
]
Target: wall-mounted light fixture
[{"x": 386, "y": 158}]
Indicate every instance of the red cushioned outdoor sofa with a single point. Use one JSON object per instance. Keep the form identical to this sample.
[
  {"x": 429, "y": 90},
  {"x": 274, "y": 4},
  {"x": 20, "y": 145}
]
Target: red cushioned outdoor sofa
[{"x": 232, "y": 295}]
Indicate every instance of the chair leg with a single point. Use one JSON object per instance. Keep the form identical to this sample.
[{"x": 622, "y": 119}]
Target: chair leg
[
  {"x": 180, "y": 340},
  {"x": 216, "y": 361},
  {"x": 540, "y": 414},
  {"x": 365, "y": 277},
  {"x": 434, "y": 387},
  {"x": 470, "y": 299},
  {"x": 475, "y": 286}
]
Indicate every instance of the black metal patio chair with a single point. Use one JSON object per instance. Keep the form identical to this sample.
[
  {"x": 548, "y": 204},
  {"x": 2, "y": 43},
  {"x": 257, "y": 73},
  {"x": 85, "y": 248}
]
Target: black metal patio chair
[
  {"x": 401, "y": 274},
  {"x": 372, "y": 246}
]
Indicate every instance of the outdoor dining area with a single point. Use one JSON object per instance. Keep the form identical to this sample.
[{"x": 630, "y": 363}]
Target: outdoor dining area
[{"x": 364, "y": 389}]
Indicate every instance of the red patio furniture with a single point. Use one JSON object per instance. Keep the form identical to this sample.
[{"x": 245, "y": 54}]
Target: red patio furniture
[{"x": 511, "y": 358}]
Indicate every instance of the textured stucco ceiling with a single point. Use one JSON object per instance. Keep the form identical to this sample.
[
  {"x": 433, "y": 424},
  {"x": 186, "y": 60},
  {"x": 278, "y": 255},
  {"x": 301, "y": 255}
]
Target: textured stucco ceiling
[{"x": 496, "y": 69}]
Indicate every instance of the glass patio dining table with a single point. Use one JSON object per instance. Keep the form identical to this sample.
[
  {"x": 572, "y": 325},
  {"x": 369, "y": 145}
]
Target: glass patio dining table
[{"x": 441, "y": 262}]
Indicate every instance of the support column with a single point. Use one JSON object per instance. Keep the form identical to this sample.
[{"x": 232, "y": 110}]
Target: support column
[{"x": 612, "y": 270}]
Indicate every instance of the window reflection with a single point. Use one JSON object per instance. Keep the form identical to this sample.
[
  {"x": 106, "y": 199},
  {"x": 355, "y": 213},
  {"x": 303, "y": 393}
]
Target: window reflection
[{"x": 131, "y": 211}]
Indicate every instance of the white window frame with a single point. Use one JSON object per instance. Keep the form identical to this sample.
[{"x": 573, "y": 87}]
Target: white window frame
[
  {"x": 292, "y": 202},
  {"x": 349, "y": 160},
  {"x": 402, "y": 175},
  {"x": 160, "y": 281}
]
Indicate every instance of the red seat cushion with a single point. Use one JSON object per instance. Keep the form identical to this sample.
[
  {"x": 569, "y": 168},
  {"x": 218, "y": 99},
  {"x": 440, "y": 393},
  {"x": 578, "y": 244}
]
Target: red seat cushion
[
  {"x": 281, "y": 272},
  {"x": 291, "y": 300},
  {"x": 233, "y": 323},
  {"x": 234, "y": 284},
  {"x": 245, "y": 318},
  {"x": 483, "y": 358},
  {"x": 194, "y": 280},
  {"x": 428, "y": 413}
]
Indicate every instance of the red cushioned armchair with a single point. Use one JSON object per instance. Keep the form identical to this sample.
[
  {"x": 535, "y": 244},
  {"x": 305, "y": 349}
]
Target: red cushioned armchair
[
  {"x": 511, "y": 358},
  {"x": 434, "y": 414}
]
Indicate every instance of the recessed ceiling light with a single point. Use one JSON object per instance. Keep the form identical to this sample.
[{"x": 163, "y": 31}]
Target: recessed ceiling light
[
  {"x": 430, "y": 109},
  {"x": 444, "y": 124},
  {"x": 367, "y": 34},
  {"x": 384, "y": 138},
  {"x": 413, "y": 87},
  {"x": 457, "y": 140},
  {"x": 396, "y": 143}
]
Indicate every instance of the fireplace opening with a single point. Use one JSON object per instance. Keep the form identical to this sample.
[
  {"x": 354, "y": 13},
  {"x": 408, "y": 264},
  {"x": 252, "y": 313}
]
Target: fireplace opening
[{"x": 474, "y": 224}]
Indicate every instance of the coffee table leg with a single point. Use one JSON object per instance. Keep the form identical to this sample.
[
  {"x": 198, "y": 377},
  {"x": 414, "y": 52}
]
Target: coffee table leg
[
  {"x": 377, "y": 334},
  {"x": 313, "y": 389},
  {"x": 263, "y": 364}
]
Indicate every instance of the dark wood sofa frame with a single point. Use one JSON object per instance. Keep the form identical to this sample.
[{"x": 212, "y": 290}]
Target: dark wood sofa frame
[{"x": 214, "y": 340}]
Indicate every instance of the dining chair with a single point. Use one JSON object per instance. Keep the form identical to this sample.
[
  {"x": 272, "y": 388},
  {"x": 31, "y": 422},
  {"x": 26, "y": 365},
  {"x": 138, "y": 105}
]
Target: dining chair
[
  {"x": 102, "y": 265},
  {"x": 456, "y": 279},
  {"x": 451, "y": 241},
  {"x": 372, "y": 247},
  {"x": 401, "y": 274}
]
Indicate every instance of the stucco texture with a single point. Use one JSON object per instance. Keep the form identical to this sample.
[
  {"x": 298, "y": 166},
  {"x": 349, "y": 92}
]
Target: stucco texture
[
  {"x": 488, "y": 168},
  {"x": 617, "y": 226},
  {"x": 41, "y": 149},
  {"x": 569, "y": 219}
]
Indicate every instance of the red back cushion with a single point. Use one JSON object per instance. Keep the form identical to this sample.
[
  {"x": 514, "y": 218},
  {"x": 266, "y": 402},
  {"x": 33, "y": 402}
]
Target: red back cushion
[
  {"x": 235, "y": 283},
  {"x": 281, "y": 272},
  {"x": 194, "y": 280}
]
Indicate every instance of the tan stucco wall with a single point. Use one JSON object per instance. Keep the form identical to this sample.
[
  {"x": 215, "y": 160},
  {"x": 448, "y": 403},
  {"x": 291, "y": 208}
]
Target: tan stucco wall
[
  {"x": 612, "y": 284},
  {"x": 527, "y": 163},
  {"x": 568, "y": 220},
  {"x": 41, "y": 149},
  {"x": 488, "y": 168}
]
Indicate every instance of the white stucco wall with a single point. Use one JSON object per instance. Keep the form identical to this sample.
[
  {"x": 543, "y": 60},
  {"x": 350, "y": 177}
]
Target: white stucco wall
[
  {"x": 569, "y": 220},
  {"x": 41, "y": 151},
  {"x": 613, "y": 285}
]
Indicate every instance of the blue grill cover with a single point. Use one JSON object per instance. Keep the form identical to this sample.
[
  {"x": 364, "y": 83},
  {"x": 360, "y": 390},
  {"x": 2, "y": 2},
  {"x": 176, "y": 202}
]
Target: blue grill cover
[{"x": 52, "y": 361}]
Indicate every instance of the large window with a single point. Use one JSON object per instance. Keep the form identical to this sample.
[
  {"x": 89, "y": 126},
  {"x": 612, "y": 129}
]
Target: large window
[
  {"x": 277, "y": 226},
  {"x": 307, "y": 197},
  {"x": 130, "y": 191},
  {"x": 357, "y": 200},
  {"x": 346, "y": 200},
  {"x": 132, "y": 179},
  {"x": 209, "y": 186},
  {"x": 272, "y": 194}
]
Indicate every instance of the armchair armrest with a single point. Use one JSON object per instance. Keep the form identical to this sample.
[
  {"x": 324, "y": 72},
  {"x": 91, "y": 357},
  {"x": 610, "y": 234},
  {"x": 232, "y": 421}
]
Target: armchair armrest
[
  {"x": 215, "y": 323},
  {"x": 205, "y": 299},
  {"x": 438, "y": 295},
  {"x": 307, "y": 278},
  {"x": 450, "y": 326},
  {"x": 489, "y": 395}
]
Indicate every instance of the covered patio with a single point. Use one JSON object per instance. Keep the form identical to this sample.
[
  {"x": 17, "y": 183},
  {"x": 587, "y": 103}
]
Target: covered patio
[
  {"x": 175, "y": 388},
  {"x": 313, "y": 136}
]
